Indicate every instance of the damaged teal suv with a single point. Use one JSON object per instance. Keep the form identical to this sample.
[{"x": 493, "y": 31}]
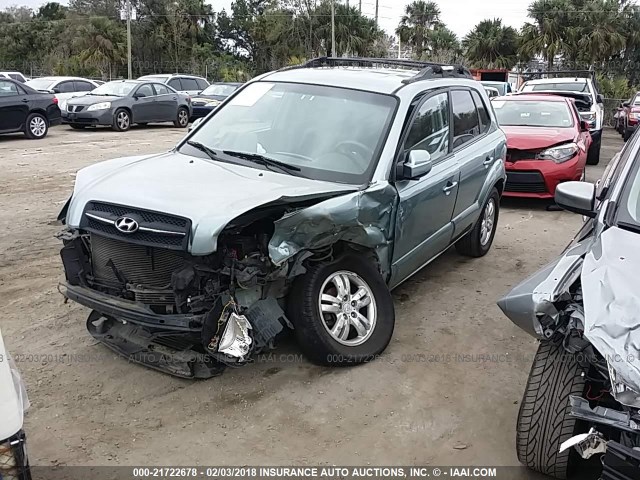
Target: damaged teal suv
[{"x": 297, "y": 204}]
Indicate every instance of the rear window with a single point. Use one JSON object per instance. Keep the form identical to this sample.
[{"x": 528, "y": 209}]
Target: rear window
[
  {"x": 577, "y": 86},
  {"x": 527, "y": 113}
]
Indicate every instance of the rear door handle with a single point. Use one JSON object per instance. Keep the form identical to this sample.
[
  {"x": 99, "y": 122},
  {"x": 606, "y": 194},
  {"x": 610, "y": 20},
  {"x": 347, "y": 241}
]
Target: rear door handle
[
  {"x": 488, "y": 161},
  {"x": 448, "y": 187}
]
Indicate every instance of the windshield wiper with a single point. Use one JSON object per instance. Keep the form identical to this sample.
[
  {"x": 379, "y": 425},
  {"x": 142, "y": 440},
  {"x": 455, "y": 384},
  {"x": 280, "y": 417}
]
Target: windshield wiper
[
  {"x": 203, "y": 148},
  {"x": 266, "y": 161}
]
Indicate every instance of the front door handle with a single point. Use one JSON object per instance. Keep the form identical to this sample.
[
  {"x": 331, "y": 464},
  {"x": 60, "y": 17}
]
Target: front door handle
[
  {"x": 488, "y": 161},
  {"x": 448, "y": 187}
]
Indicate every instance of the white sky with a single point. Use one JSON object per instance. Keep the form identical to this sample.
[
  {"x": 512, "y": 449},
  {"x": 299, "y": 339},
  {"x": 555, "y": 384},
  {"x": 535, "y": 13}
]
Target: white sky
[{"x": 458, "y": 15}]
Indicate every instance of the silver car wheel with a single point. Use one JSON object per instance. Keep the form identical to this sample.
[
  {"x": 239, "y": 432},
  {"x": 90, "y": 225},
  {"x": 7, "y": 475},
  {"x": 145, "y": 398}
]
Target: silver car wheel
[
  {"x": 123, "y": 120},
  {"x": 38, "y": 126},
  {"x": 488, "y": 219},
  {"x": 183, "y": 118},
  {"x": 347, "y": 308}
]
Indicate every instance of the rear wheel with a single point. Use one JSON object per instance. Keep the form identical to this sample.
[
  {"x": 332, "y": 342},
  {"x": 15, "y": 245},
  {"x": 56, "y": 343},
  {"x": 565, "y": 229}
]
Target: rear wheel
[
  {"x": 121, "y": 120},
  {"x": 544, "y": 419},
  {"x": 342, "y": 312},
  {"x": 478, "y": 241},
  {"x": 182, "y": 120},
  {"x": 36, "y": 126}
]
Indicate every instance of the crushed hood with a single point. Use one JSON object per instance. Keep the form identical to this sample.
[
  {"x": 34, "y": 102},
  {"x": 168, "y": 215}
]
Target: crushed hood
[
  {"x": 612, "y": 301},
  {"x": 536, "y": 138},
  {"x": 209, "y": 193}
]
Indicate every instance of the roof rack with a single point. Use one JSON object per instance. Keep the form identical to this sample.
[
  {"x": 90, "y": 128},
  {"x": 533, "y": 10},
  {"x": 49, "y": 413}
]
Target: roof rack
[
  {"x": 427, "y": 71},
  {"x": 570, "y": 73}
]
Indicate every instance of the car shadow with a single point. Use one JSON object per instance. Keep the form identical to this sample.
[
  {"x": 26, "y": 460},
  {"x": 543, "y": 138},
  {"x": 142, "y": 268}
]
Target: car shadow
[{"x": 539, "y": 204}]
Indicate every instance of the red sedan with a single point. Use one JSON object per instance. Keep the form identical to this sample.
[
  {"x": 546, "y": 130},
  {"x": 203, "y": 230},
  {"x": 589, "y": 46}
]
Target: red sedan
[{"x": 547, "y": 143}]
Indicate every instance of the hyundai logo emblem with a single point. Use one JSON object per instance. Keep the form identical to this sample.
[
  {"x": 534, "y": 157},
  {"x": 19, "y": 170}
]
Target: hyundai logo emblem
[{"x": 126, "y": 225}]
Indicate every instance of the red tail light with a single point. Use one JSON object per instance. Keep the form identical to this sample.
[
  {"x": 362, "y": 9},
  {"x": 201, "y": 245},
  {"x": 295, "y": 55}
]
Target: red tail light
[{"x": 55, "y": 100}]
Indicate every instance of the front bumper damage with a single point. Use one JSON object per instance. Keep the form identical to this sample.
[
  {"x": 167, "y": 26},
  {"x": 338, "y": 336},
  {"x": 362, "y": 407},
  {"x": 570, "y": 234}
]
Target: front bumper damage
[{"x": 194, "y": 315}]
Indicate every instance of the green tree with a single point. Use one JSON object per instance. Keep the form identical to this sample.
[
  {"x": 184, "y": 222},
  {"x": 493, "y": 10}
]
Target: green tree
[
  {"x": 546, "y": 35},
  {"x": 420, "y": 18},
  {"x": 492, "y": 45}
]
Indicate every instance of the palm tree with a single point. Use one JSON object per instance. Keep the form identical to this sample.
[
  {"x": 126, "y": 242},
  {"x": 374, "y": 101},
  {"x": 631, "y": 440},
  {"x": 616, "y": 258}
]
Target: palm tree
[
  {"x": 547, "y": 35},
  {"x": 102, "y": 43},
  {"x": 492, "y": 45},
  {"x": 419, "y": 20},
  {"x": 602, "y": 37}
]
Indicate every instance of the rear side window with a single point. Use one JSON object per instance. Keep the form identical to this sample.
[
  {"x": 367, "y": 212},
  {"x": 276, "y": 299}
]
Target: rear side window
[
  {"x": 83, "y": 86},
  {"x": 202, "y": 83},
  {"x": 8, "y": 89},
  {"x": 430, "y": 128},
  {"x": 485, "y": 121},
  {"x": 65, "y": 87},
  {"x": 175, "y": 83},
  {"x": 466, "y": 126},
  {"x": 189, "y": 84}
]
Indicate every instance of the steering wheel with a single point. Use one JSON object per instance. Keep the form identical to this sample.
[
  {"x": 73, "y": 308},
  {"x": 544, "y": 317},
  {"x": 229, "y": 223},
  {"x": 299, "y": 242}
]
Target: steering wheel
[{"x": 349, "y": 147}]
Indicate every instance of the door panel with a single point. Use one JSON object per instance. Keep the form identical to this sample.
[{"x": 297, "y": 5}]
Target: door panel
[
  {"x": 166, "y": 103},
  {"x": 144, "y": 108},
  {"x": 14, "y": 106},
  {"x": 423, "y": 222},
  {"x": 474, "y": 154}
]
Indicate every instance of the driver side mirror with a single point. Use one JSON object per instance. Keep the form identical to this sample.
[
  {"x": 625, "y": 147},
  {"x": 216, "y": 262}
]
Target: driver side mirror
[
  {"x": 577, "y": 197},
  {"x": 139, "y": 95},
  {"x": 55, "y": 90},
  {"x": 195, "y": 123},
  {"x": 417, "y": 164},
  {"x": 599, "y": 98}
]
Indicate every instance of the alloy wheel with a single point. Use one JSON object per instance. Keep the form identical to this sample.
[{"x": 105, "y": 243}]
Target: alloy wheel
[
  {"x": 347, "y": 308},
  {"x": 183, "y": 118},
  {"x": 123, "y": 120},
  {"x": 38, "y": 126},
  {"x": 487, "y": 222}
]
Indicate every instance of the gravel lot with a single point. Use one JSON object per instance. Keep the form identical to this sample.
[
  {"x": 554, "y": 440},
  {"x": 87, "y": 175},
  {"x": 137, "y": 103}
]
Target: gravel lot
[{"x": 92, "y": 408}]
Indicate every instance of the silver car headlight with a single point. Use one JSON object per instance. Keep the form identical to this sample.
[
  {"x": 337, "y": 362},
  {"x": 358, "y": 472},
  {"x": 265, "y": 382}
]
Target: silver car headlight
[
  {"x": 99, "y": 106},
  {"x": 588, "y": 116},
  {"x": 559, "y": 154}
]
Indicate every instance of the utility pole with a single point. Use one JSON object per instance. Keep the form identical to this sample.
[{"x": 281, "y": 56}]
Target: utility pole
[
  {"x": 333, "y": 28},
  {"x": 376, "y": 13},
  {"x": 347, "y": 4},
  {"x": 360, "y": 6},
  {"x": 129, "y": 39}
]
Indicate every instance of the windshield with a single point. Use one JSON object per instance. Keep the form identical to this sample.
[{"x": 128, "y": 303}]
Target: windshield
[
  {"x": 118, "y": 88},
  {"x": 533, "y": 113},
  {"x": 328, "y": 133},
  {"x": 220, "y": 90},
  {"x": 40, "y": 83},
  {"x": 576, "y": 86}
]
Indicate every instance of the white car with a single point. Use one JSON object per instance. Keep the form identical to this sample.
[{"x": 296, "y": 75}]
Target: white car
[
  {"x": 187, "y": 84},
  {"x": 14, "y": 76},
  {"x": 13, "y": 403},
  {"x": 63, "y": 88},
  {"x": 592, "y": 114}
]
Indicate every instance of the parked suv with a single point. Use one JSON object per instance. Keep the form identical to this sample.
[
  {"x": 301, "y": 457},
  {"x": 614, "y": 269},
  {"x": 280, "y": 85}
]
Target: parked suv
[
  {"x": 187, "y": 84},
  {"x": 298, "y": 203},
  {"x": 591, "y": 111}
]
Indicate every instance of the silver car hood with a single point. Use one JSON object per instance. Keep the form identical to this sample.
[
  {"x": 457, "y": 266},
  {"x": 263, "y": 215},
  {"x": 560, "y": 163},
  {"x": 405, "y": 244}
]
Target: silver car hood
[
  {"x": 209, "y": 193},
  {"x": 612, "y": 301}
]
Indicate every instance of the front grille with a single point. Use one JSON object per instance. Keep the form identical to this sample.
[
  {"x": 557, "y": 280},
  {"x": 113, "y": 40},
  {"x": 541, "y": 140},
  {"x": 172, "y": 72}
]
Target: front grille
[
  {"x": 155, "y": 229},
  {"x": 136, "y": 265},
  {"x": 514, "y": 155},
  {"x": 75, "y": 108},
  {"x": 525, "y": 182}
]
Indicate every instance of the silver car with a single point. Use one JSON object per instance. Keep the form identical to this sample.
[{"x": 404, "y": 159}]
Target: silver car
[{"x": 583, "y": 391}]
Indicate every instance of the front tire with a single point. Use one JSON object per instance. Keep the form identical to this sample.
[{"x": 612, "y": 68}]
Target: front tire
[
  {"x": 121, "y": 120},
  {"x": 182, "y": 119},
  {"x": 342, "y": 312},
  {"x": 478, "y": 241},
  {"x": 544, "y": 419},
  {"x": 36, "y": 126}
]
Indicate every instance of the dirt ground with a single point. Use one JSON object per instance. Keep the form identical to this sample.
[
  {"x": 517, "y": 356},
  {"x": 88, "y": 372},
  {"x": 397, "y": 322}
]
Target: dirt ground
[{"x": 92, "y": 408}]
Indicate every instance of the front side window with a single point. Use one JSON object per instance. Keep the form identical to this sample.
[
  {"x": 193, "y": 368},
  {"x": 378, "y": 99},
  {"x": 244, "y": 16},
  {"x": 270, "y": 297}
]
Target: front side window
[
  {"x": 83, "y": 86},
  {"x": 145, "y": 90},
  {"x": 161, "y": 89},
  {"x": 466, "y": 125},
  {"x": 8, "y": 88},
  {"x": 65, "y": 87},
  {"x": 430, "y": 128},
  {"x": 324, "y": 133}
]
